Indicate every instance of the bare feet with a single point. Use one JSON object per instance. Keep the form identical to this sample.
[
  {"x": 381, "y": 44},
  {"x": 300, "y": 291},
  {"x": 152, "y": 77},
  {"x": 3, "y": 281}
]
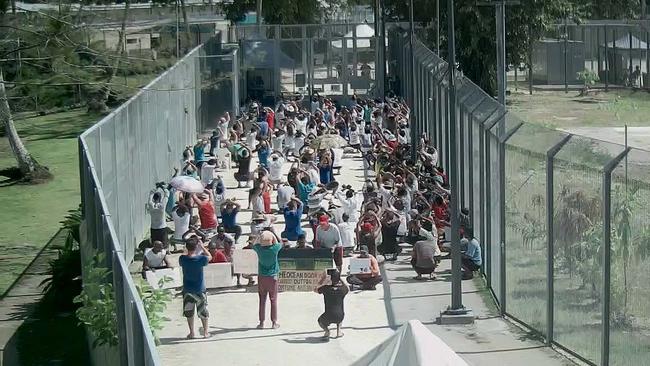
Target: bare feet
[
  {"x": 276, "y": 325},
  {"x": 260, "y": 325},
  {"x": 339, "y": 334},
  {"x": 190, "y": 336}
]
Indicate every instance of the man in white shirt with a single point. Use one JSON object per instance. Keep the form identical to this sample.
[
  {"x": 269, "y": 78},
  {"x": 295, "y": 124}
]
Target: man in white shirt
[
  {"x": 156, "y": 208},
  {"x": 275, "y": 168},
  {"x": 351, "y": 204},
  {"x": 207, "y": 171},
  {"x": 154, "y": 258},
  {"x": 346, "y": 229},
  {"x": 285, "y": 191},
  {"x": 328, "y": 236}
]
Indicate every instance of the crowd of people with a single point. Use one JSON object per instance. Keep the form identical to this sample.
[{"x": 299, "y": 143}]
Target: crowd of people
[{"x": 404, "y": 205}]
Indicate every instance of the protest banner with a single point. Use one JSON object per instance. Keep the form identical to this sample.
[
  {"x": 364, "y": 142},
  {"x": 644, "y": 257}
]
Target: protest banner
[
  {"x": 244, "y": 261},
  {"x": 164, "y": 278},
  {"x": 299, "y": 281},
  {"x": 218, "y": 275},
  {"x": 359, "y": 265},
  {"x": 300, "y": 269}
]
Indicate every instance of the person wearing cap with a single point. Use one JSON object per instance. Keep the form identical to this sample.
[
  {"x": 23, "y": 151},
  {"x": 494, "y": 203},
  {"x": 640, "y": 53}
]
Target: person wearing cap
[
  {"x": 366, "y": 281},
  {"x": 334, "y": 292},
  {"x": 328, "y": 236},
  {"x": 369, "y": 230},
  {"x": 292, "y": 214},
  {"x": 267, "y": 248},
  {"x": 261, "y": 222},
  {"x": 192, "y": 262}
]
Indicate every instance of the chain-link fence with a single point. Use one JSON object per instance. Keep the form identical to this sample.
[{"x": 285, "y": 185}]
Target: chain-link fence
[
  {"x": 122, "y": 157},
  {"x": 328, "y": 59},
  {"x": 617, "y": 52},
  {"x": 562, "y": 219}
]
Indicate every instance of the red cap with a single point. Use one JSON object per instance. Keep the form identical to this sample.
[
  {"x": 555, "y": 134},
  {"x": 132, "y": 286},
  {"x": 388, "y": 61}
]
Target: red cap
[
  {"x": 324, "y": 219},
  {"x": 366, "y": 226}
]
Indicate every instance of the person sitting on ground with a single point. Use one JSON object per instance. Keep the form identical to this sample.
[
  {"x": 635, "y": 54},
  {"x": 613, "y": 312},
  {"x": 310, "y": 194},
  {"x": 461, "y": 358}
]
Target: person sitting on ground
[
  {"x": 155, "y": 258},
  {"x": 207, "y": 215},
  {"x": 301, "y": 243},
  {"x": 328, "y": 236},
  {"x": 229, "y": 211},
  {"x": 267, "y": 250},
  {"x": 194, "y": 296},
  {"x": 333, "y": 295},
  {"x": 156, "y": 208},
  {"x": 471, "y": 257},
  {"x": 366, "y": 281},
  {"x": 423, "y": 257},
  {"x": 223, "y": 241},
  {"x": 277, "y": 139},
  {"x": 292, "y": 214}
]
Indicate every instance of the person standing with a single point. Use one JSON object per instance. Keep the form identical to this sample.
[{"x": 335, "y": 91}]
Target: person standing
[
  {"x": 156, "y": 208},
  {"x": 328, "y": 236},
  {"x": 194, "y": 296},
  {"x": 268, "y": 268},
  {"x": 333, "y": 296}
]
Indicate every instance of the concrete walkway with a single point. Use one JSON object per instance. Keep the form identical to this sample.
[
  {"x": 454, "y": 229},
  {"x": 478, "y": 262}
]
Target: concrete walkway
[{"x": 371, "y": 316}]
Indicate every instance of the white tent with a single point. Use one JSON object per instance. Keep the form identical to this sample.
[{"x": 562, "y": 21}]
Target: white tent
[
  {"x": 412, "y": 345},
  {"x": 363, "y": 31}
]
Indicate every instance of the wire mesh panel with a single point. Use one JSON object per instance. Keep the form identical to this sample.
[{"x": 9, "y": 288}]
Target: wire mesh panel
[
  {"x": 578, "y": 244},
  {"x": 121, "y": 158},
  {"x": 630, "y": 250}
]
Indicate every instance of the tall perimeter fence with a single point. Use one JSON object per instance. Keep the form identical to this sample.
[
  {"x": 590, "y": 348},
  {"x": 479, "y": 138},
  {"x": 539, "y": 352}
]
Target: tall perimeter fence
[
  {"x": 122, "y": 157},
  {"x": 562, "y": 219}
]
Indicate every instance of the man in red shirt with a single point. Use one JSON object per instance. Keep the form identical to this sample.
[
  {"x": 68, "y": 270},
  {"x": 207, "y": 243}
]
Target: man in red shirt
[
  {"x": 270, "y": 118},
  {"x": 204, "y": 202}
]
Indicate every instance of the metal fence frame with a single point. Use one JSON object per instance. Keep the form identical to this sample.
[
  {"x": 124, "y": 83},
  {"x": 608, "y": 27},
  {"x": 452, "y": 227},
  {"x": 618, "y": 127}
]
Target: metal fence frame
[
  {"x": 120, "y": 159},
  {"x": 496, "y": 127}
]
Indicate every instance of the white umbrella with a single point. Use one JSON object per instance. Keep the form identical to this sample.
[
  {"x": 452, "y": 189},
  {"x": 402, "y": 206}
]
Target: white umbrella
[{"x": 188, "y": 184}]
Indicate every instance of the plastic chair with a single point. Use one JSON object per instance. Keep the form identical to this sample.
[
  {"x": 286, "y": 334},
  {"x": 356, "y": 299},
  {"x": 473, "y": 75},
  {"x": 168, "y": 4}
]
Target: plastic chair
[{"x": 224, "y": 159}]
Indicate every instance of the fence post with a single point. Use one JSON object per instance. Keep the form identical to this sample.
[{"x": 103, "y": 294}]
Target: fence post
[
  {"x": 550, "y": 241},
  {"x": 607, "y": 248},
  {"x": 120, "y": 312}
]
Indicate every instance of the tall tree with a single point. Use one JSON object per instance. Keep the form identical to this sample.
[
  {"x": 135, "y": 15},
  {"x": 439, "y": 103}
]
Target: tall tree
[{"x": 31, "y": 170}]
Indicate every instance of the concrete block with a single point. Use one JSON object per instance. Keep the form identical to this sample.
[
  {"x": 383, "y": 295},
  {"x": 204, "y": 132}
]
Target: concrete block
[{"x": 456, "y": 319}]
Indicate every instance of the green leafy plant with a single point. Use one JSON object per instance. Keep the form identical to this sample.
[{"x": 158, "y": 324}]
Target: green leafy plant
[
  {"x": 64, "y": 281},
  {"x": 155, "y": 302},
  {"x": 98, "y": 308},
  {"x": 589, "y": 78}
]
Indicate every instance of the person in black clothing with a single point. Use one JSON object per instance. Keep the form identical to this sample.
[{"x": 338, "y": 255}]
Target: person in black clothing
[{"x": 333, "y": 294}]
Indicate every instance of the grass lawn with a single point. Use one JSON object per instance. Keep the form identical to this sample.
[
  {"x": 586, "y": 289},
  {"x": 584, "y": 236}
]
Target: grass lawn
[
  {"x": 31, "y": 214},
  {"x": 600, "y": 109}
]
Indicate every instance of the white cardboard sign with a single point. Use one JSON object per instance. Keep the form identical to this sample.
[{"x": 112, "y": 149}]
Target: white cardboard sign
[
  {"x": 244, "y": 261},
  {"x": 359, "y": 265},
  {"x": 171, "y": 276},
  {"x": 218, "y": 275}
]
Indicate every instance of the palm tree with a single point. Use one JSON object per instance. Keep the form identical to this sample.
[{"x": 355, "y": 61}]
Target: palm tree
[{"x": 28, "y": 166}]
